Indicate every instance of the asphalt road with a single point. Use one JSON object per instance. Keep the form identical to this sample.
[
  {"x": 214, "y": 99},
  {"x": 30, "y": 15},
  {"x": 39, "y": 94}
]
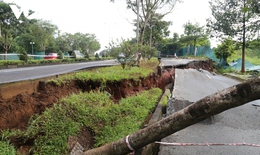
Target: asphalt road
[
  {"x": 29, "y": 73},
  {"x": 175, "y": 62},
  {"x": 235, "y": 125}
]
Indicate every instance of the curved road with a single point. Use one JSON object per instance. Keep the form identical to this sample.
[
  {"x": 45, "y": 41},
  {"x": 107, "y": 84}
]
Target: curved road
[{"x": 29, "y": 73}]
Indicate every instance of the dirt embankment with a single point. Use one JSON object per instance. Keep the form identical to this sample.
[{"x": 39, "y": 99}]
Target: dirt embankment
[
  {"x": 18, "y": 101},
  {"x": 16, "y": 108}
]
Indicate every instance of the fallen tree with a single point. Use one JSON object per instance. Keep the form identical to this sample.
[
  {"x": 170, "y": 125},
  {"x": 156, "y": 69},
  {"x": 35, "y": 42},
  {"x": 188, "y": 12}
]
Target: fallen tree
[{"x": 211, "y": 105}]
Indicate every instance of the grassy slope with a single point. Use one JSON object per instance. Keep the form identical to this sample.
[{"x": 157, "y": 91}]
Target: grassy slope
[
  {"x": 94, "y": 110},
  {"x": 252, "y": 56}
]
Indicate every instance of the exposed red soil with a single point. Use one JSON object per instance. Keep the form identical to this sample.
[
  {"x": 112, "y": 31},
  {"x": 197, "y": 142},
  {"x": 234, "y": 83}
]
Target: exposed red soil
[{"x": 16, "y": 110}]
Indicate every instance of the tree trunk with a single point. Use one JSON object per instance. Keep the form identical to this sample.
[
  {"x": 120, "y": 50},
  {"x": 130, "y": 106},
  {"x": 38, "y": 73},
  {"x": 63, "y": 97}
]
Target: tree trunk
[
  {"x": 244, "y": 41},
  {"x": 5, "y": 47},
  {"x": 142, "y": 35},
  {"x": 5, "y": 57},
  {"x": 194, "y": 52},
  {"x": 188, "y": 49},
  {"x": 211, "y": 105}
]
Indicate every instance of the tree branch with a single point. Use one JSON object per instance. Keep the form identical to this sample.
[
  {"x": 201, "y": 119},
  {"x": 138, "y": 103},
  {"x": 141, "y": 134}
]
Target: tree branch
[{"x": 211, "y": 105}]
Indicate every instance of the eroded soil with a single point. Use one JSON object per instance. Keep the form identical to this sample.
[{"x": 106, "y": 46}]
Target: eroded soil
[{"x": 16, "y": 110}]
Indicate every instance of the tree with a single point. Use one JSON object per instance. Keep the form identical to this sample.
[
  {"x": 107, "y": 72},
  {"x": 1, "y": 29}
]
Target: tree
[
  {"x": 254, "y": 44},
  {"x": 169, "y": 46},
  {"x": 97, "y": 56},
  {"x": 236, "y": 19},
  {"x": 64, "y": 42},
  {"x": 156, "y": 30},
  {"x": 92, "y": 44},
  {"x": 175, "y": 37},
  {"x": 148, "y": 51},
  {"x": 24, "y": 40},
  {"x": 209, "y": 106},
  {"x": 124, "y": 52},
  {"x": 147, "y": 9},
  {"x": 60, "y": 55},
  {"x": 10, "y": 26},
  {"x": 42, "y": 33},
  {"x": 224, "y": 50},
  {"x": 23, "y": 56},
  {"x": 194, "y": 35},
  {"x": 86, "y": 43}
]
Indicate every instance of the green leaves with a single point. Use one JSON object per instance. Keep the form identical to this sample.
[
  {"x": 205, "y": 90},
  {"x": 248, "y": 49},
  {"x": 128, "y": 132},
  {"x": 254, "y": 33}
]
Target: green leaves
[
  {"x": 236, "y": 19},
  {"x": 95, "y": 110},
  {"x": 229, "y": 17},
  {"x": 10, "y": 26},
  {"x": 6, "y": 148},
  {"x": 225, "y": 49}
]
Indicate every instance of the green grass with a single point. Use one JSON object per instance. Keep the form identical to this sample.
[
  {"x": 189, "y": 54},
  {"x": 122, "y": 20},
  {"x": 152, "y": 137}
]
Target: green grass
[
  {"x": 225, "y": 70},
  {"x": 9, "y": 62},
  {"x": 109, "y": 121},
  {"x": 94, "y": 110},
  {"x": 6, "y": 148},
  {"x": 252, "y": 56},
  {"x": 45, "y": 62},
  {"x": 114, "y": 73}
]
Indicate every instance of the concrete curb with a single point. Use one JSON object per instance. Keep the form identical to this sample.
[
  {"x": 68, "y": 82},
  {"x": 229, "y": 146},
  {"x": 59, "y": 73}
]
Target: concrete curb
[
  {"x": 237, "y": 77},
  {"x": 157, "y": 115}
]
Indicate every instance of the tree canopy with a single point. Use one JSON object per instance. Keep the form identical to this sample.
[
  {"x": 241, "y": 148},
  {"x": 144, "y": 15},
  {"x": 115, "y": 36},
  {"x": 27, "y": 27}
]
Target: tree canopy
[
  {"x": 10, "y": 26},
  {"x": 194, "y": 34},
  {"x": 157, "y": 29},
  {"x": 146, "y": 10},
  {"x": 17, "y": 34},
  {"x": 237, "y": 19},
  {"x": 224, "y": 50}
]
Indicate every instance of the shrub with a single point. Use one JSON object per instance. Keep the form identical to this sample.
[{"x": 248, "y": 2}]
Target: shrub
[{"x": 60, "y": 55}]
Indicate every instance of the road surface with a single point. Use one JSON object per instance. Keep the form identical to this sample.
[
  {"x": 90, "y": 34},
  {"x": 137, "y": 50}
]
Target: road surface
[
  {"x": 175, "y": 62},
  {"x": 235, "y": 125},
  {"x": 29, "y": 73}
]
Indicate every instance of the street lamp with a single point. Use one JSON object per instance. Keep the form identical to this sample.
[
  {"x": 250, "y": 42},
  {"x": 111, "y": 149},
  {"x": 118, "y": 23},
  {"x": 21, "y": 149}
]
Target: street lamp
[{"x": 32, "y": 43}]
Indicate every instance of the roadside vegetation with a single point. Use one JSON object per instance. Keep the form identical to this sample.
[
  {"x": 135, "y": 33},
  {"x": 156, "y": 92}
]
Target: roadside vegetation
[
  {"x": 113, "y": 73},
  {"x": 230, "y": 51},
  {"x": 94, "y": 111},
  {"x": 30, "y": 62},
  {"x": 252, "y": 55},
  {"x": 235, "y": 23}
]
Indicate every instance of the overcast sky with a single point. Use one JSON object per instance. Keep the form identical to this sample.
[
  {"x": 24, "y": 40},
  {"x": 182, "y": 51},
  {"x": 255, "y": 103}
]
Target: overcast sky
[{"x": 108, "y": 21}]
